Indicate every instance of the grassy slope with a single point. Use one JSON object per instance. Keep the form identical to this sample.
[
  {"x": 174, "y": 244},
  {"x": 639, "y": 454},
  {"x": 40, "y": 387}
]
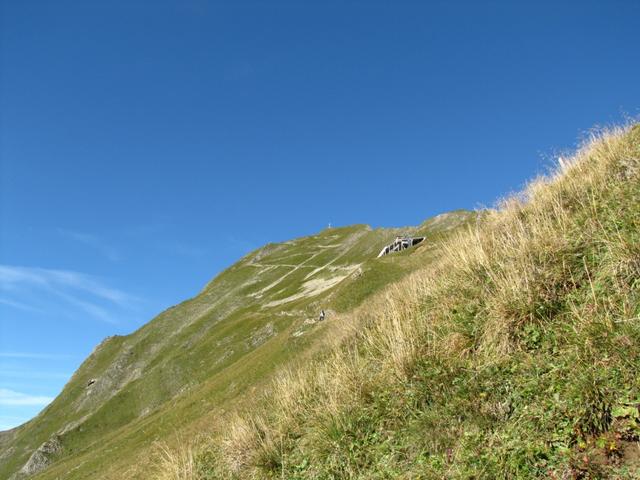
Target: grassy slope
[
  {"x": 514, "y": 355},
  {"x": 195, "y": 360}
]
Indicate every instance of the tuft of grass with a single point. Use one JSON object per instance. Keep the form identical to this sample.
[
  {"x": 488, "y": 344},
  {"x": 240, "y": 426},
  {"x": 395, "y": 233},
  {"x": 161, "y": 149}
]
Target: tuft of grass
[{"x": 175, "y": 463}]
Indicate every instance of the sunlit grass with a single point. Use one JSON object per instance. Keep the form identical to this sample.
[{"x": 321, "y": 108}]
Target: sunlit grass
[{"x": 514, "y": 355}]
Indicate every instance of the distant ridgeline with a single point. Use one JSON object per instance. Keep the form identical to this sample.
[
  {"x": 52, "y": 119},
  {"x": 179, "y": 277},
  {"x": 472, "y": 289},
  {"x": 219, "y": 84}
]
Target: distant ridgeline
[
  {"x": 198, "y": 359},
  {"x": 507, "y": 350}
]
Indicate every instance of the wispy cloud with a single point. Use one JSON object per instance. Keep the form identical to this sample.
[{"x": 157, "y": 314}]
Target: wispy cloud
[
  {"x": 22, "y": 373},
  {"x": 92, "y": 241},
  {"x": 13, "y": 398},
  {"x": 26, "y": 288},
  {"x": 19, "y": 306},
  {"x": 35, "y": 356},
  {"x": 7, "y": 422}
]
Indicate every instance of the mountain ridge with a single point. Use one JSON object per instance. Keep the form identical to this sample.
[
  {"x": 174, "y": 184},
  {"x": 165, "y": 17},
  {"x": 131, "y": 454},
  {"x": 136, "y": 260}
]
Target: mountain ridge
[
  {"x": 272, "y": 292},
  {"x": 515, "y": 354}
]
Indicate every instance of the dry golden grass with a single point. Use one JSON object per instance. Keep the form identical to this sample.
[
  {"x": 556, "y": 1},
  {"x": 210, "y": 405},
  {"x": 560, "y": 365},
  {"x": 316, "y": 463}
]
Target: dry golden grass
[
  {"x": 515, "y": 256},
  {"x": 175, "y": 463}
]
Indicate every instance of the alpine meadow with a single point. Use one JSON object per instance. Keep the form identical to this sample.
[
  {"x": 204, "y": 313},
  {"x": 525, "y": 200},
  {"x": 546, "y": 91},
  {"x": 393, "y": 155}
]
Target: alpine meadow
[
  {"x": 506, "y": 344},
  {"x": 319, "y": 240}
]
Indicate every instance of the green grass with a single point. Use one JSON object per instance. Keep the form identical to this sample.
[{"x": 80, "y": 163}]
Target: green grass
[
  {"x": 505, "y": 346},
  {"x": 515, "y": 354},
  {"x": 198, "y": 359}
]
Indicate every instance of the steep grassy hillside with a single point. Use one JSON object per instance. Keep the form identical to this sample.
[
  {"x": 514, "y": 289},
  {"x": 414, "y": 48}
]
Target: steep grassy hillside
[
  {"x": 514, "y": 354},
  {"x": 196, "y": 360}
]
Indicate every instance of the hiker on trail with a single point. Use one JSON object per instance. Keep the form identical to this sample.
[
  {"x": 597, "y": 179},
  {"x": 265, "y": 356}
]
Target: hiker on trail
[{"x": 321, "y": 315}]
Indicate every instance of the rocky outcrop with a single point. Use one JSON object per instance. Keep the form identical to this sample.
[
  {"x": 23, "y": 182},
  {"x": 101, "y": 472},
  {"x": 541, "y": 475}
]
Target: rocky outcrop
[
  {"x": 262, "y": 335},
  {"x": 41, "y": 458}
]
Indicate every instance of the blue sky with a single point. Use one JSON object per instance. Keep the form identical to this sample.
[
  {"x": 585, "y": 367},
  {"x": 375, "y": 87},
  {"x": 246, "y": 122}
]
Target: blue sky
[{"x": 146, "y": 145}]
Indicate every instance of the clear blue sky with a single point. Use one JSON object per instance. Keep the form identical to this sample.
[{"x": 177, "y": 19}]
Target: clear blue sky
[{"x": 146, "y": 145}]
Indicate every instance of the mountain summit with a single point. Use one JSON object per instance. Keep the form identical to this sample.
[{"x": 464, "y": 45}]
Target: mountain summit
[
  {"x": 194, "y": 360},
  {"x": 496, "y": 344}
]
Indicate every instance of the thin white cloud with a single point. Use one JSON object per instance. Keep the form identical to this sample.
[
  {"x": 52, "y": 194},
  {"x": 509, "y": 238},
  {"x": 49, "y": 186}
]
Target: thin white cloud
[
  {"x": 35, "y": 356},
  {"x": 13, "y": 398},
  {"x": 11, "y": 276},
  {"x": 24, "y": 285},
  {"x": 90, "y": 285},
  {"x": 92, "y": 241},
  {"x": 90, "y": 308},
  {"x": 19, "y": 305},
  {"x": 20, "y": 373},
  {"x": 7, "y": 422}
]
